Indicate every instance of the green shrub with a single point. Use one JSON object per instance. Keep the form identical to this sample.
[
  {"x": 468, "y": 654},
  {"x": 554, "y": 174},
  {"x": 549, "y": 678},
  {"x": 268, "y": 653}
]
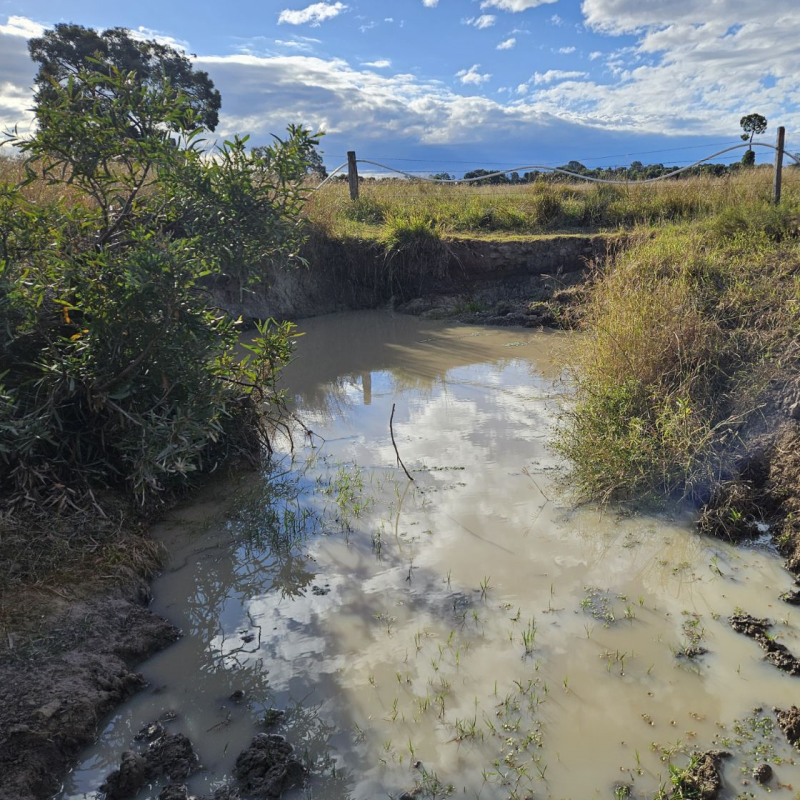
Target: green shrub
[{"x": 114, "y": 369}]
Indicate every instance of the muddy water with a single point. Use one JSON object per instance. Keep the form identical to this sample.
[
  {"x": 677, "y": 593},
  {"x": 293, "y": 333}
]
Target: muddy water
[{"x": 470, "y": 629}]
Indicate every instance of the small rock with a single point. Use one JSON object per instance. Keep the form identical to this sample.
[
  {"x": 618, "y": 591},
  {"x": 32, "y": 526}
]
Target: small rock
[
  {"x": 237, "y": 696},
  {"x": 248, "y": 637},
  {"x": 763, "y": 773},
  {"x": 320, "y": 590}
]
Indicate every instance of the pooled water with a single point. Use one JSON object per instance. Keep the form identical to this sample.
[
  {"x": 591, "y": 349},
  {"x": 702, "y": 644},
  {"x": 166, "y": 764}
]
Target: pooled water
[{"x": 469, "y": 632}]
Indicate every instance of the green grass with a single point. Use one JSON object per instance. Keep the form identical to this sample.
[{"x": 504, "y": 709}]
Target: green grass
[{"x": 685, "y": 331}]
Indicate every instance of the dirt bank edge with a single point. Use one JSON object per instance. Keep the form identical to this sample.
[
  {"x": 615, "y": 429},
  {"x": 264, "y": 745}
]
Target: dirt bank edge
[{"x": 65, "y": 663}]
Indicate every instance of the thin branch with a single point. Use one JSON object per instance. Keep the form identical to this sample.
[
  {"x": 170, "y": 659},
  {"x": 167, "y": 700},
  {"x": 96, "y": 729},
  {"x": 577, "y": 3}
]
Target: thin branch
[{"x": 394, "y": 444}]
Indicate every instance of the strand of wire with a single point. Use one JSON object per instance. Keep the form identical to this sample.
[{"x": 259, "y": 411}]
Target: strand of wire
[{"x": 558, "y": 170}]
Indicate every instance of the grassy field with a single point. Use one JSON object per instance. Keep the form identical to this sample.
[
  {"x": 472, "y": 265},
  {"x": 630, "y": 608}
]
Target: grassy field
[{"x": 537, "y": 208}]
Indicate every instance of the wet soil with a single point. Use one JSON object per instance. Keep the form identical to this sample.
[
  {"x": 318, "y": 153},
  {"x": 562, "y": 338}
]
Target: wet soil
[
  {"x": 553, "y": 301},
  {"x": 65, "y": 662},
  {"x": 789, "y": 722},
  {"x": 704, "y": 780},
  {"x": 777, "y": 653},
  {"x": 764, "y": 492}
]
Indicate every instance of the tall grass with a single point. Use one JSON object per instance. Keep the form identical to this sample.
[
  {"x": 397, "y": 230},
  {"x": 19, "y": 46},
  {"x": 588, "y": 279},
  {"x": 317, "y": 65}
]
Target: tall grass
[
  {"x": 685, "y": 331},
  {"x": 540, "y": 208}
]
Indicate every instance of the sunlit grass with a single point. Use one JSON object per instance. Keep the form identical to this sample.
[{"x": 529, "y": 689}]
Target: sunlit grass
[{"x": 541, "y": 207}]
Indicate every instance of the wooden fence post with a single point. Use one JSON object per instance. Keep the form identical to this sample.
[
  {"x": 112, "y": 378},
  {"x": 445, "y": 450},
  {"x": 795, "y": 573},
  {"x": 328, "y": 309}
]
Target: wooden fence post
[
  {"x": 776, "y": 187},
  {"x": 352, "y": 174}
]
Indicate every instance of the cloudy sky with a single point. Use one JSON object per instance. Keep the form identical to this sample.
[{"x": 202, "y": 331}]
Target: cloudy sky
[{"x": 442, "y": 84}]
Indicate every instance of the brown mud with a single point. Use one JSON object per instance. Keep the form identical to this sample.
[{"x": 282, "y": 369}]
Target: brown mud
[
  {"x": 789, "y": 722},
  {"x": 703, "y": 780},
  {"x": 67, "y": 658},
  {"x": 777, "y": 654}
]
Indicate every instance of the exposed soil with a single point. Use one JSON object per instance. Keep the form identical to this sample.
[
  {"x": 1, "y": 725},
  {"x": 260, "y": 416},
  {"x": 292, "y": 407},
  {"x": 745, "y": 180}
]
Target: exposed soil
[
  {"x": 170, "y": 755},
  {"x": 789, "y": 722},
  {"x": 757, "y": 630},
  {"x": 64, "y": 664},
  {"x": 553, "y": 301},
  {"x": 268, "y": 767},
  {"x": 704, "y": 780}
]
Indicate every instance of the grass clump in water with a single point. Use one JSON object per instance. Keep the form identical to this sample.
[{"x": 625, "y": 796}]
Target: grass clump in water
[{"x": 686, "y": 329}]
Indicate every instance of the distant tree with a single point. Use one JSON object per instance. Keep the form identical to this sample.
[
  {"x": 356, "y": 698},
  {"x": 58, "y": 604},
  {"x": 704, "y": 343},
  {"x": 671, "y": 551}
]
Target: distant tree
[
  {"x": 748, "y": 158},
  {"x": 443, "y": 176},
  {"x": 752, "y": 125},
  {"x": 67, "y": 49},
  {"x": 575, "y": 166},
  {"x": 479, "y": 173}
]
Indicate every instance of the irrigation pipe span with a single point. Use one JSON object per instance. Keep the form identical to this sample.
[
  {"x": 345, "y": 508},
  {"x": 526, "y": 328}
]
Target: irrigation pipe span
[{"x": 545, "y": 168}]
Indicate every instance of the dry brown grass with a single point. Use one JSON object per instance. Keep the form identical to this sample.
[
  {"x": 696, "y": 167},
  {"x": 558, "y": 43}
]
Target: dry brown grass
[{"x": 538, "y": 208}]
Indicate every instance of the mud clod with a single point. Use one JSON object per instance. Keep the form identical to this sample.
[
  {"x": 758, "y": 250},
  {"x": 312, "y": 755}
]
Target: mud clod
[
  {"x": 792, "y": 597},
  {"x": 268, "y": 768},
  {"x": 789, "y": 722},
  {"x": 763, "y": 773},
  {"x": 776, "y": 653},
  {"x": 171, "y": 756},
  {"x": 704, "y": 779}
]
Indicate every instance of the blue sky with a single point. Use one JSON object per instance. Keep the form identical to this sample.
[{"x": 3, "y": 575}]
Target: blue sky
[{"x": 460, "y": 83}]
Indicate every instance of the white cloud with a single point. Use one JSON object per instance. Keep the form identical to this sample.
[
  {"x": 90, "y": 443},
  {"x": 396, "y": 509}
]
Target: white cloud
[
  {"x": 430, "y": 3},
  {"x": 507, "y": 44},
  {"x": 313, "y": 14},
  {"x": 515, "y": 5},
  {"x": 481, "y": 22},
  {"x": 566, "y": 50},
  {"x": 556, "y": 20},
  {"x": 553, "y": 75},
  {"x": 595, "y": 55},
  {"x": 302, "y": 43},
  {"x": 695, "y": 67},
  {"x": 143, "y": 33},
  {"x": 472, "y": 75},
  {"x": 22, "y": 26},
  {"x": 381, "y": 63}
]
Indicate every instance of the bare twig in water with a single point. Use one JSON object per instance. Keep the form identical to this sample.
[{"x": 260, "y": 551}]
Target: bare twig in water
[{"x": 394, "y": 444}]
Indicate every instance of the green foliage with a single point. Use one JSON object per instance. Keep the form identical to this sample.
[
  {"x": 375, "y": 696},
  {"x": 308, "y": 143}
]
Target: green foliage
[
  {"x": 748, "y": 158},
  {"x": 752, "y": 125},
  {"x": 114, "y": 369},
  {"x": 68, "y": 49}
]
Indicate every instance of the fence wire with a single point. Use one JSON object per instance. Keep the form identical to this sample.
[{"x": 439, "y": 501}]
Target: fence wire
[{"x": 555, "y": 170}]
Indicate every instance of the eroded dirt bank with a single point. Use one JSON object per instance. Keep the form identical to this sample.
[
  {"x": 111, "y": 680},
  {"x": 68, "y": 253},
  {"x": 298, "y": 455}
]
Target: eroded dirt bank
[
  {"x": 67, "y": 658},
  {"x": 489, "y": 281}
]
